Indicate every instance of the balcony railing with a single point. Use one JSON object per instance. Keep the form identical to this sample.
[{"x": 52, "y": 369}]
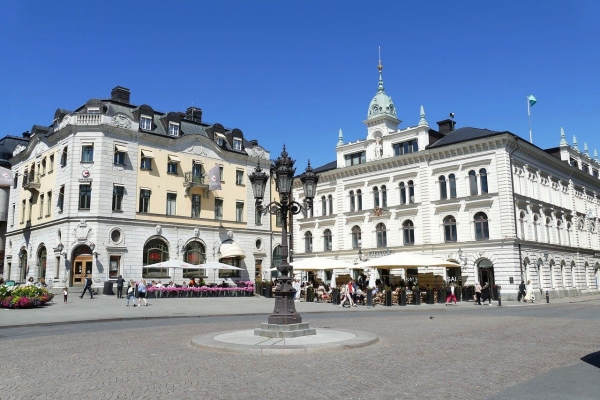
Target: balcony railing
[
  {"x": 193, "y": 180},
  {"x": 31, "y": 182},
  {"x": 89, "y": 119}
]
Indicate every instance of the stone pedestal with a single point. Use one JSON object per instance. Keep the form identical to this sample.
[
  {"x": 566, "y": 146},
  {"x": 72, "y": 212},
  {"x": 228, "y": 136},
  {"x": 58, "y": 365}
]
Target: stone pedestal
[{"x": 284, "y": 331}]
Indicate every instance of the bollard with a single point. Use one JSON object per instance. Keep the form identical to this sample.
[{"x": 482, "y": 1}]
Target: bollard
[
  {"x": 499, "y": 297},
  {"x": 547, "y": 297}
]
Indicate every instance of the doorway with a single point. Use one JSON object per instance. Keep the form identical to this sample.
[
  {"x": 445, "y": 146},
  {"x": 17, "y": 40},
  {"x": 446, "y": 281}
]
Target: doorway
[
  {"x": 486, "y": 272},
  {"x": 82, "y": 266}
]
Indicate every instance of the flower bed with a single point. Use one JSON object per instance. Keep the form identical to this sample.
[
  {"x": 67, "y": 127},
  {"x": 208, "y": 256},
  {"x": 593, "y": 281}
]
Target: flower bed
[
  {"x": 24, "y": 296},
  {"x": 243, "y": 289}
]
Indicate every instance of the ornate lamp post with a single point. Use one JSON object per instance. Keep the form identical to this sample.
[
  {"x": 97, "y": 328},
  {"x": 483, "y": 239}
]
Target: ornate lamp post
[{"x": 283, "y": 171}]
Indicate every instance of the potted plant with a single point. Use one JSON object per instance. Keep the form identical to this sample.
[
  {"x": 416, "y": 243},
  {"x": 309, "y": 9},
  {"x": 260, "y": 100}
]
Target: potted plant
[
  {"x": 441, "y": 294},
  {"x": 416, "y": 295},
  {"x": 388, "y": 296},
  {"x": 402, "y": 296}
]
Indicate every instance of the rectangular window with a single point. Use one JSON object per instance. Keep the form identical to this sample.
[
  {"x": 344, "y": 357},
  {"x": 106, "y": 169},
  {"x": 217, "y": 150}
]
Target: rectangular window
[
  {"x": 356, "y": 158},
  {"x": 30, "y": 209},
  {"x": 221, "y": 174},
  {"x": 595, "y": 173},
  {"x": 585, "y": 168},
  {"x": 114, "y": 266},
  {"x": 43, "y": 167},
  {"x": 196, "y": 205},
  {"x": 14, "y": 211},
  {"x": 257, "y": 217},
  {"x": 173, "y": 129},
  {"x": 23, "y": 208},
  {"x": 411, "y": 146},
  {"x": 219, "y": 139},
  {"x": 145, "y": 123},
  {"x": 239, "y": 211},
  {"x": 119, "y": 157},
  {"x": 51, "y": 166},
  {"x": 85, "y": 197},
  {"x": 171, "y": 203},
  {"x": 16, "y": 180},
  {"x": 61, "y": 198},
  {"x": 172, "y": 168},
  {"x": 49, "y": 207},
  {"x": 63, "y": 157},
  {"x": 146, "y": 164},
  {"x": 197, "y": 171},
  {"x": 237, "y": 144},
  {"x": 145, "y": 200},
  {"x": 87, "y": 153},
  {"x": 117, "y": 200},
  {"x": 239, "y": 177},
  {"x": 219, "y": 209},
  {"x": 41, "y": 206}
]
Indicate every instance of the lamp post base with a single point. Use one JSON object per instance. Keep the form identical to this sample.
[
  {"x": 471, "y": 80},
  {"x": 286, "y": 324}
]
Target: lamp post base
[{"x": 284, "y": 312}]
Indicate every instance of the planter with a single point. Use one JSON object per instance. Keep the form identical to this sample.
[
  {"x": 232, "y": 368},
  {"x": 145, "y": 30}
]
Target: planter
[
  {"x": 335, "y": 297},
  {"x": 495, "y": 293},
  {"x": 388, "y": 298},
  {"x": 430, "y": 297},
  {"x": 310, "y": 294},
  {"x": 369, "y": 298},
  {"x": 458, "y": 294},
  {"x": 416, "y": 297},
  {"x": 441, "y": 296},
  {"x": 402, "y": 298}
]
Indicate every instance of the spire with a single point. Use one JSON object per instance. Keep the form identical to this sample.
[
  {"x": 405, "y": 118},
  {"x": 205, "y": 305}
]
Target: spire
[
  {"x": 595, "y": 154},
  {"x": 340, "y": 138},
  {"x": 575, "y": 144},
  {"x": 380, "y": 68},
  {"x": 563, "y": 141},
  {"x": 423, "y": 121},
  {"x": 585, "y": 149}
]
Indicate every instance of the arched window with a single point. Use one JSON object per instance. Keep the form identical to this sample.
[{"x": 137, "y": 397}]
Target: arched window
[
  {"x": 327, "y": 242},
  {"x": 408, "y": 231},
  {"x": 308, "y": 242},
  {"x": 375, "y": 197},
  {"x": 323, "y": 205},
  {"x": 402, "y": 193},
  {"x": 536, "y": 222},
  {"x": 548, "y": 222},
  {"x": 352, "y": 201},
  {"x": 569, "y": 233},
  {"x": 356, "y": 237},
  {"x": 522, "y": 224},
  {"x": 381, "y": 235},
  {"x": 558, "y": 233},
  {"x": 452, "y": 181},
  {"x": 450, "y": 229},
  {"x": 194, "y": 253},
  {"x": 359, "y": 200},
  {"x": 483, "y": 180},
  {"x": 383, "y": 196},
  {"x": 41, "y": 262},
  {"x": 473, "y": 183},
  {"x": 330, "y": 202},
  {"x": 155, "y": 251},
  {"x": 411, "y": 192},
  {"x": 443, "y": 190},
  {"x": 482, "y": 231}
]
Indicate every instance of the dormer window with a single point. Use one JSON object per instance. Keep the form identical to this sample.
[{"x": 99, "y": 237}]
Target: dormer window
[
  {"x": 145, "y": 123},
  {"x": 173, "y": 129},
  {"x": 237, "y": 144},
  {"x": 219, "y": 139}
]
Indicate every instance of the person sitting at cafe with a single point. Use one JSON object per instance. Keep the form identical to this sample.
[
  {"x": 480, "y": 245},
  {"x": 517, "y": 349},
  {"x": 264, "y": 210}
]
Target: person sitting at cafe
[
  {"x": 184, "y": 284},
  {"x": 360, "y": 296},
  {"x": 320, "y": 292},
  {"x": 192, "y": 282},
  {"x": 159, "y": 284}
]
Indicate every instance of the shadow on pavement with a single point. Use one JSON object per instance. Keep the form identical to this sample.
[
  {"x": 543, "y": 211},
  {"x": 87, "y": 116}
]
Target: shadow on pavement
[{"x": 592, "y": 359}]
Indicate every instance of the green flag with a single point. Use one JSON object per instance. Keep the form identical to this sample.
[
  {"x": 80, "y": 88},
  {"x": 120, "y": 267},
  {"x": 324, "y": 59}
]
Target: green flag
[{"x": 532, "y": 100}]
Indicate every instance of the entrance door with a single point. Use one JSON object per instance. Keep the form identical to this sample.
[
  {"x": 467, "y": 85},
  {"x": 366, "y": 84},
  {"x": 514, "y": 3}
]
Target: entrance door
[{"x": 81, "y": 266}]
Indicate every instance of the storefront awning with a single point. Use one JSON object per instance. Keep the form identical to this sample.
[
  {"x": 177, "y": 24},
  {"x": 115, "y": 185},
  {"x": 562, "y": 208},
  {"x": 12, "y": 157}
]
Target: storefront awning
[
  {"x": 147, "y": 154},
  {"x": 231, "y": 250}
]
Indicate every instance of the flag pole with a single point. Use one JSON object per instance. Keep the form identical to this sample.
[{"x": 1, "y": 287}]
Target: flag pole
[{"x": 529, "y": 117}]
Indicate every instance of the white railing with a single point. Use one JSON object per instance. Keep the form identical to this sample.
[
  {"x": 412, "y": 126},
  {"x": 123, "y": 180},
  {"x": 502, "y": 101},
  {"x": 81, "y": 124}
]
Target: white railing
[{"x": 89, "y": 119}]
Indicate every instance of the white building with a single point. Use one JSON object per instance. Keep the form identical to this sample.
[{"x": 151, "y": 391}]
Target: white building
[{"x": 504, "y": 208}]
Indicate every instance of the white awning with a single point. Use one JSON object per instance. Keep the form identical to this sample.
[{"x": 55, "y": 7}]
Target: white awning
[
  {"x": 174, "y": 159},
  {"x": 120, "y": 148},
  {"x": 232, "y": 249},
  {"x": 147, "y": 154}
]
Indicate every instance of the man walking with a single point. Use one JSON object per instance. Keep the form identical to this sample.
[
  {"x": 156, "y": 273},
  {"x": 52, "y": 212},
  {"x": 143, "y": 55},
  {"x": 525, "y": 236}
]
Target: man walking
[
  {"x": 120, "y": 282},
  {"x": 521, "y": 295},
  {"x": 88, "y": 286}
]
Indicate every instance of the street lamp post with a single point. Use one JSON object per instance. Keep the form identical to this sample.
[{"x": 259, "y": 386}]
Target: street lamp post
[{"x": 283, "y": 171}]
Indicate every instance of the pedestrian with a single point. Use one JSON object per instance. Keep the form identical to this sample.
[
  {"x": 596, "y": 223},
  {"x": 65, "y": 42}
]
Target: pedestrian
[
  {"x": 296, "y": 286},
  {"x": 522, "y": 292},
  {"x": 29, "y": 281},
  {"x": 120, "y": 282},
  {"x": 485, "y": 293},
  {"x": 347, "y": 293},
  {"x": 65, "y": 294},
  {"x": 142, "y": 293},
  {"x": 478, "y": 293},
  {"x": 450, "y": 295},
  {"x": 131, "y": 292},
  {"x": 529, "y": 292},
  {"x": 354, "y": 290},
  {"x": 88, "y": 286}
]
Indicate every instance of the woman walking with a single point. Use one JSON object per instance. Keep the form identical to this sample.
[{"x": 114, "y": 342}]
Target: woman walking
[
  {"x": 478, "y": 293},
  {"x": 451, "y": 295},
  {"x": 529, "y": 292},
  {"x": 142, "y": 293}
]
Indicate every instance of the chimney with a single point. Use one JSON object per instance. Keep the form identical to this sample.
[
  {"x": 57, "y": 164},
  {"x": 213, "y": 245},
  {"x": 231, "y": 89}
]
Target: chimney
[
  {"x": 120, "y": 94},
  {"x": 26, "y": 134},
  {"x": 253, "y": 142},
  {"x": 194, "y": 114},
  {"x": 446, "y": 126}
]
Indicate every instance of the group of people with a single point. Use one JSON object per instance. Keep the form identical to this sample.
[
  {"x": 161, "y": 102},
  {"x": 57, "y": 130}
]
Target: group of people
[{"x": 483, "y": 293}]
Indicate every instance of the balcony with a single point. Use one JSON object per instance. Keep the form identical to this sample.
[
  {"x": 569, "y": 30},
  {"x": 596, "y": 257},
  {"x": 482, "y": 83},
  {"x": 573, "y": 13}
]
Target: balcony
[
  {"x": 31, "y": 182},
  {"x": 89, "y": 119},
  {"x": 191, "y": 180}
]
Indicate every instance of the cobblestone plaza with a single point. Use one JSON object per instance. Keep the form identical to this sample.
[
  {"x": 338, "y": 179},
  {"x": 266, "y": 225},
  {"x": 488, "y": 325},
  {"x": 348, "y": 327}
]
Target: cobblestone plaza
[{"x": 426, "y": 351}]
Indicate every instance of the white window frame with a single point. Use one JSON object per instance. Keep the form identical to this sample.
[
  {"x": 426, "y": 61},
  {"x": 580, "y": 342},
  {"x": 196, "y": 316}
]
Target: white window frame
[
  {"x": 237, "y": 144},
  {"x": 146, "y": 122},
  {"x": 173, "y": 129}
]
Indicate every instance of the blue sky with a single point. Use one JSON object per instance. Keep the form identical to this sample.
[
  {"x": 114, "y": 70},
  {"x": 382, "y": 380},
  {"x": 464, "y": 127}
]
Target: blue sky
[{"x": 296, "y": 72}]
